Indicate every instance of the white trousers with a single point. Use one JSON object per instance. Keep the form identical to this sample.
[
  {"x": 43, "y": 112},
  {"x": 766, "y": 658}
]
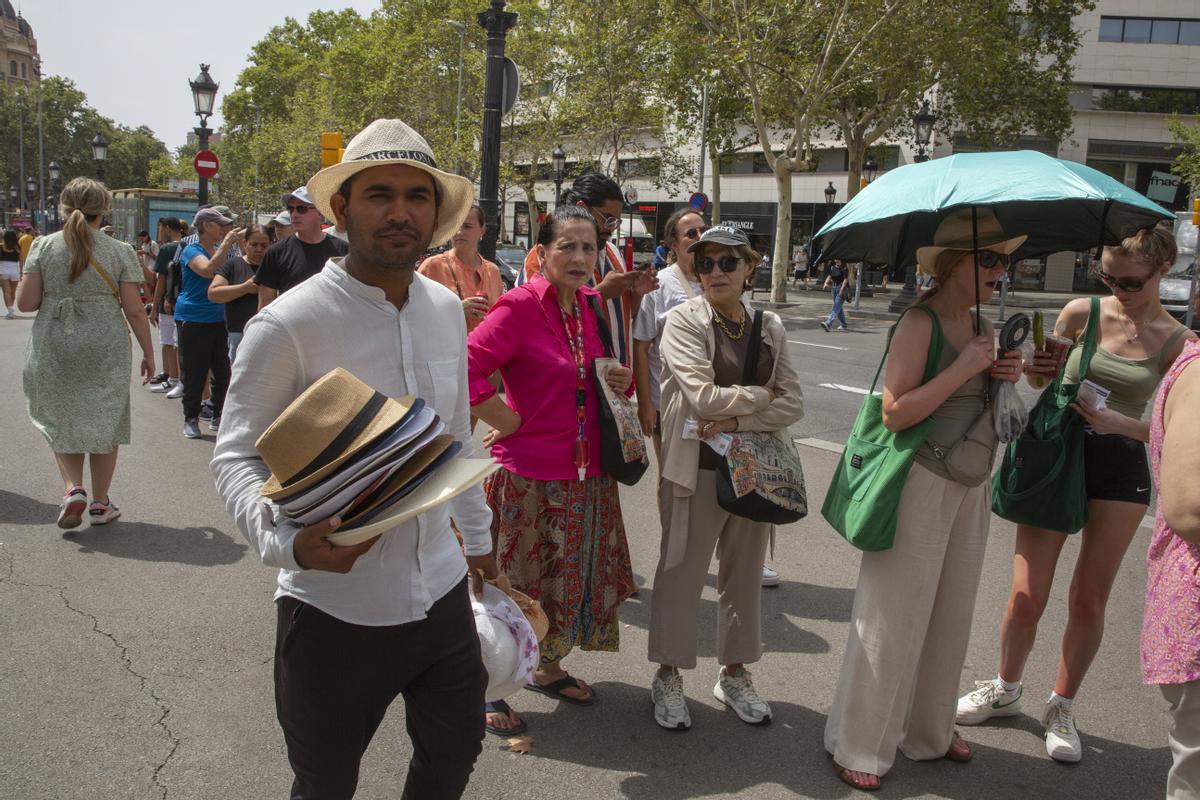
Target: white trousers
[
  {"x": 1183, "y": 781},
  {"x": 909, "y": 629}
]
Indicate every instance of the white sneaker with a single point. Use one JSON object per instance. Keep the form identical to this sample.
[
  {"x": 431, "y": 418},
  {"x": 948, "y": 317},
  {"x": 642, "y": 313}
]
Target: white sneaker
[
  {"x": 670, "y": 707},
  {"x": 988, "y": 700},
  {"x": 738, "y": 692},
  {"x": 164, "y": 387},
  {"x": 191, "y": 428},
  {"x": 1062, "y": 739},
  {"x": 770, "y": 577},
  {"x": 102, "y": 513},
  {"x": 73, "y": 505},
  {"x": 10, "y": 315},
  {"x": 176, "y": 391}
]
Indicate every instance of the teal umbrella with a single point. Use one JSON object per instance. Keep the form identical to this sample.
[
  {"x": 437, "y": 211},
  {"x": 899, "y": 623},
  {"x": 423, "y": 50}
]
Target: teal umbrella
[{"x": 1059, "y": 205}]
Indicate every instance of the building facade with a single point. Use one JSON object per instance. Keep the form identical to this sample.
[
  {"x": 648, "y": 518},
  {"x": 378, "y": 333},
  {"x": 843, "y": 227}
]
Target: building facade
[
  {"x": 1138, "y": 63},
  {"x": 18, "y": 49}
]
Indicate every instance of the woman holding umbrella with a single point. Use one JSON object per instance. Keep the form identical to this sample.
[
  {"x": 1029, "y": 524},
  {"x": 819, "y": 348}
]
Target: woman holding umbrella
[
  {"x": 914, "y": 602},
  {"x": 1137, "y": 343}
]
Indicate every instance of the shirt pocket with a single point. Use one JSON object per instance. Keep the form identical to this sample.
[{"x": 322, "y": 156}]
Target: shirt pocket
[{"x": 445, "y": 377}]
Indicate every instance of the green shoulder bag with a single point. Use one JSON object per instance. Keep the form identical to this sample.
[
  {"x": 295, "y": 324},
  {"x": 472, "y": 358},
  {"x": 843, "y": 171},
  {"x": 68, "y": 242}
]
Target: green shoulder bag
[
  {"x": 863, "y": 501},
  {"x": 1040, "y": 482}
]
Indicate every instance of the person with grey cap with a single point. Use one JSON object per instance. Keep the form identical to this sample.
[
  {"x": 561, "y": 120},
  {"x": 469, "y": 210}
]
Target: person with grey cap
[
  {"x": 704, "y": 349},
  {"x": 359, "y": 625},
  {"x": 297, "y": 257},
  {"x": 200, "y": 323}
]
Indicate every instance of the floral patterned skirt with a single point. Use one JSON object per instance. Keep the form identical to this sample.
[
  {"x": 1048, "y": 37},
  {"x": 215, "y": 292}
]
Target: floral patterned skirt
[{"x": 563, "y": 544}]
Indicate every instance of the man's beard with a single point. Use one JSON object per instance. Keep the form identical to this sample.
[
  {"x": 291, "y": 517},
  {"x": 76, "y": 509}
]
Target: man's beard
[{"x": 397, "y": 258}]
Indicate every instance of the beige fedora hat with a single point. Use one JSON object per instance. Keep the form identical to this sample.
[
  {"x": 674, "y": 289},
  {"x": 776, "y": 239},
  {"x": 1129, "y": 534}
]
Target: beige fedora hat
[
  {"x": 322, "y": 429},
  {"x": 954, "y": 233},
  {"x": 390, "y": 141}
]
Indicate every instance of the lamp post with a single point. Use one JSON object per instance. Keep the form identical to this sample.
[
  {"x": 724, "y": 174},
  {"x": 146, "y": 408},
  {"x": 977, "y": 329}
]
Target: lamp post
[
  {"x": 99, "y": 154},
  {"x": 12, "y": 204},
  {"x": 462, "y": 42},
  {"x": 55, "y": 176},
  {"x": 870, "y": 168},
  {"x": 559, "y": 159},
  {"x": 31, "y": 186},
  {"x": 923, "y": 122},
  {"x": 496, "y": 21},
  {"x": 830, "y": 193},
  {"x": 204, "y": 96}
]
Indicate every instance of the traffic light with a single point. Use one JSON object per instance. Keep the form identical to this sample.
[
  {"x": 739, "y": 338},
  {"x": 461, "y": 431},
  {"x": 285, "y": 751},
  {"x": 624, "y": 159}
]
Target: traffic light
[
  {"x": 1196, "y": 211},
  {"x": 331, "y": 148}
]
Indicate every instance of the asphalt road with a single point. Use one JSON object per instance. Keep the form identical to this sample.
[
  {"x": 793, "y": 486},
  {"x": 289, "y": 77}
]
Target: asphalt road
[{"x": 135, "y": 660}]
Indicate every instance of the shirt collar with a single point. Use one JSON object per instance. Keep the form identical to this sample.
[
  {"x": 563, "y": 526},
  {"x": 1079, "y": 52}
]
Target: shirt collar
[{"x": 337, "y": 274}]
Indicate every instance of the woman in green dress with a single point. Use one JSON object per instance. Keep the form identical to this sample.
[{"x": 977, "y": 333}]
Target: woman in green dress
[{"x": 84, "y": 287}]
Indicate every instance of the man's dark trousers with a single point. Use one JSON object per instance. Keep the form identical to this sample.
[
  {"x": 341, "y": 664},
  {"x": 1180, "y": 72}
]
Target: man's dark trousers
[
  {"x": 203, "y": 348},
  {"x": 334, "y": 682}
]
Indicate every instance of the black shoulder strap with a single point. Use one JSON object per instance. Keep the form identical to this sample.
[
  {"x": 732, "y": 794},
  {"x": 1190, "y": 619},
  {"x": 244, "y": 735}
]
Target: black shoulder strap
[
  {"x": 602, "y": 325},
  {"x": 750, "y": 369}
]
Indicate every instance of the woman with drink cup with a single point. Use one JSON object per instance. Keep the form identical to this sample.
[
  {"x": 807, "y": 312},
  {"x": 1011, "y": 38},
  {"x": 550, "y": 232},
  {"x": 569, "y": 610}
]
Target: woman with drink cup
[
  {"x": 463, "y": 271},
  {"x": 1137, "y": 341}
]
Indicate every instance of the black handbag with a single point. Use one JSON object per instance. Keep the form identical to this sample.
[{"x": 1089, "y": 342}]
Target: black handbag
[
  {"x": 612, "y": 446},
  {"x": 760, "y": 476}
]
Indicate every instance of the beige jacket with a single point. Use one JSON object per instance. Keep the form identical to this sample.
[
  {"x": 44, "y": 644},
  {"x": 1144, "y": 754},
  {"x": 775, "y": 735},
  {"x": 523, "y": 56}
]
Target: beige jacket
[{"x": 688, "y": 391}]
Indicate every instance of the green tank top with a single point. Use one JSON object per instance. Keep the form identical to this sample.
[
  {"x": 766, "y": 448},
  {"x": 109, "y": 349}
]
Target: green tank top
[
  {"x": 1132, "y": 381},
  {"x": 955, "y": 416}
]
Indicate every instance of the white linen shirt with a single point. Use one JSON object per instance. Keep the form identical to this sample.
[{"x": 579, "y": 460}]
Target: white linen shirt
[
  {"x": 333, "y": 320},
  {"x": 652, "y": 317}
]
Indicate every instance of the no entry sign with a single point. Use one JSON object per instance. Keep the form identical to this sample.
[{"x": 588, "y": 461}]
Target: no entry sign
[
  {"x": 698, "y": 201},
  {"x": 206, "y": 163}
]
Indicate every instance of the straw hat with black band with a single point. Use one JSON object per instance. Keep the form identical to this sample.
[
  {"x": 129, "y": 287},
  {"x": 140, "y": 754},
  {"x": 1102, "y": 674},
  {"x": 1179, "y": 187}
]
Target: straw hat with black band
[
  {"x": 954, "y": 232},
  {"x": 390, "y": 141}
]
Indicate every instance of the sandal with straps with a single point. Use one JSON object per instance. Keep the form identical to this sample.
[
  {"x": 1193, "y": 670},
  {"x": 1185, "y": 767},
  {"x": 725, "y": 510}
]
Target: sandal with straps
[{"x": 844, "y": 775}]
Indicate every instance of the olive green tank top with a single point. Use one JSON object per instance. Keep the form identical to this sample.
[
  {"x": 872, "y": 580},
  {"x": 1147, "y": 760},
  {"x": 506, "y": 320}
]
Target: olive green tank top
[
  {"x": 955, "y": 416},
  {"x": 1132, "y": 381}
]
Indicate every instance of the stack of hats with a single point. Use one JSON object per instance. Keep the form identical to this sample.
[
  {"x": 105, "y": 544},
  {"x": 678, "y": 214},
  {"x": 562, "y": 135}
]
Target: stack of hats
[{"x": 342, "y": 449}]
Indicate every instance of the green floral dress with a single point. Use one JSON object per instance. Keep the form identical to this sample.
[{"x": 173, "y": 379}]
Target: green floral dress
[{"x": 77, "y": 360}]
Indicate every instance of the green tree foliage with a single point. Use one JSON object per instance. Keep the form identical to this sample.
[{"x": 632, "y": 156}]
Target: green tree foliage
[{"x": 1187, "y": 163}]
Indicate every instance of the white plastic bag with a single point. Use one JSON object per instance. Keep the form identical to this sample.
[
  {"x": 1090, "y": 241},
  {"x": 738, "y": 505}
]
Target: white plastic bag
[{"x": 1009, "y": 413}]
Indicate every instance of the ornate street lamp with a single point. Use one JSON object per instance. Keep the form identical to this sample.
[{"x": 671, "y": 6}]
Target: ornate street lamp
[
  {"x": 13, "y": 194},
  {"x": 55, "y": 176},
  {"x": 204, "y": 95},
  {"x": 870, "y": 168},
  {"x": 30, "y": 188},
  {"x": 830, "y": 193},
  {"x": 55, "y": 173},
  {"x": 99, "y": 154},
  {"x": 923, "y": 122},
  {"x": 559, "y": 159}
]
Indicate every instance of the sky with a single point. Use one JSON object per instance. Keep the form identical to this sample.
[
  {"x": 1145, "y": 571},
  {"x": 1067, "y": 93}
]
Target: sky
[{"x": 134, "y": 63}]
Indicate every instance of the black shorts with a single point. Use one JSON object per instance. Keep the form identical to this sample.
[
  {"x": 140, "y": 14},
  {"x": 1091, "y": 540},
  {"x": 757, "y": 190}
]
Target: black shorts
[{"x": 1115, "y": 467}]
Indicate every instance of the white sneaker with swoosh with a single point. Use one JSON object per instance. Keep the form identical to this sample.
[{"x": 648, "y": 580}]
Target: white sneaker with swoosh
[{"x": 988, "y": 700}]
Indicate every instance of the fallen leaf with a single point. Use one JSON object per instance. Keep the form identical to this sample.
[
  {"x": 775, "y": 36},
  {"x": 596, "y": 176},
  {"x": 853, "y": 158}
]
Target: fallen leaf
[{"x": 520, "y": 744}]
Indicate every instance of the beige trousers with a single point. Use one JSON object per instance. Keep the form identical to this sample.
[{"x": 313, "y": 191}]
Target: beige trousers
[
  {"x": 741, "y": 547},
  {"x": 910, "y": 627},
  {"x": 1183, "y": 781}
]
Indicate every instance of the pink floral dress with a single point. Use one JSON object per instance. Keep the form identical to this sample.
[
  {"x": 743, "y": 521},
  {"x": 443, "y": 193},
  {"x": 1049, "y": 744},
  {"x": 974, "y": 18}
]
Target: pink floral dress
[{"x": 1171, "y": 625}]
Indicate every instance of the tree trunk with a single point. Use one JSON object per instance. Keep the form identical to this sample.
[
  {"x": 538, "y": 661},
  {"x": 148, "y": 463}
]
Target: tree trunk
[
  {"x": 531, "y": 203},
  {"x": 714, "y": 159},
  {"x": 783, "y": 230},
  {"x": 856, "y": 147}
]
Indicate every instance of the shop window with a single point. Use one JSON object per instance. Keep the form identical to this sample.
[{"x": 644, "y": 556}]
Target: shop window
[
  {"x": 12, "y": 68},
  {"x": 1150, "y": 100},
  {"x": 1149, "y": 31}
]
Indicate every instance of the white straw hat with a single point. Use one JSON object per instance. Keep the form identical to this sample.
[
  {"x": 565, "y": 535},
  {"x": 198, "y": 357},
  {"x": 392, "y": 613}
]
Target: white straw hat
[{"x": 390, "y": 141}]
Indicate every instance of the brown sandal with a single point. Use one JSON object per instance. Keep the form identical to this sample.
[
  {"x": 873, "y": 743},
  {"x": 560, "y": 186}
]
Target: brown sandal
[
  {"x": 844, "y": 775},
  {"x": 958, "y": 755}
]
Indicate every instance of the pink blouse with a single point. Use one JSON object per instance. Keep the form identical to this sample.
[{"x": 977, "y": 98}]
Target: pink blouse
[
  {"x": 1171, "y": 625},
  {"x": 523, "y": 336}
]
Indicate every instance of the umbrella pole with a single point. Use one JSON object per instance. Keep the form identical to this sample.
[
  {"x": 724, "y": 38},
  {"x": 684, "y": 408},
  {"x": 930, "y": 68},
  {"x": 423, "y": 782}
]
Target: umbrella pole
[
  {"x": 1003, "y": 295},
  {"x": 975, "y": 255}
]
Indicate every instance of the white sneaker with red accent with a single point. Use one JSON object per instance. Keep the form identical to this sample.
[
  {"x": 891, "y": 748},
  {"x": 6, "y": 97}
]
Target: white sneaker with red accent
[
  {"x": 102, "y": 513},
  {"x": 73, "y": 505}
]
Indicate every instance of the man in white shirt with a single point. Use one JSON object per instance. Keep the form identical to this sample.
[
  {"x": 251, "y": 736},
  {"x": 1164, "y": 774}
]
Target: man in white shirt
[{"x": 359, "y": 625}]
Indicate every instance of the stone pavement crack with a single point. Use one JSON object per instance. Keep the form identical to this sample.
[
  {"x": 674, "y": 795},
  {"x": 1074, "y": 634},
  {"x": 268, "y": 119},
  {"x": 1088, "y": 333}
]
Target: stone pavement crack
[{"x": 122, "y": 654}]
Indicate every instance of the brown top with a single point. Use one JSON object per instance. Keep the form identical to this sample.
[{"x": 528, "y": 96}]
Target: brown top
[{"x": 728, "y": 362}]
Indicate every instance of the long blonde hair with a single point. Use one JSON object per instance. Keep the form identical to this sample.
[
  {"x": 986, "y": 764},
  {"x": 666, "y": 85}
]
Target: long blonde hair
[
  {"x": 943, "y": 265},
  {"x": 82, "y": 200}
]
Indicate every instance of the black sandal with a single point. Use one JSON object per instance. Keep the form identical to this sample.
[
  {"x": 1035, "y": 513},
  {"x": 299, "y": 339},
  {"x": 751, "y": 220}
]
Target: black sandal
[
  {"x": 555, "y": 690},
  {"x": 501, "y": 707}
]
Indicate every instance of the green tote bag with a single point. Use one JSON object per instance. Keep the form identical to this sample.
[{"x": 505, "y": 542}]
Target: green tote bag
[
  {"x": 863, "y": 501},
  {"x": 1040, "y": 482}
]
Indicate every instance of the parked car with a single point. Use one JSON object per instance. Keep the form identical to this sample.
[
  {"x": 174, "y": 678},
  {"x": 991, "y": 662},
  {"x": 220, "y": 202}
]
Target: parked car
[
  {"x": 510, "y": 259},
  {"x": 1176, "y": 287}
]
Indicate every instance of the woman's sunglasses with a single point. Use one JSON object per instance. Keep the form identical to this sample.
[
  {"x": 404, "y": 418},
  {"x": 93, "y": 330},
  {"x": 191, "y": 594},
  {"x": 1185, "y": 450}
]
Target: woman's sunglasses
[
  {"x": 727, "y": 264},
  {"x": 1124, "y": 284},
  {"x": 990, "y": 259}
]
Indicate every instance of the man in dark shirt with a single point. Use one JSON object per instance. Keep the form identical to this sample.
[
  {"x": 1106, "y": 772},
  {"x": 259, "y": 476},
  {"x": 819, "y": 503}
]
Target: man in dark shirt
[{"x": 296, "y": 258}]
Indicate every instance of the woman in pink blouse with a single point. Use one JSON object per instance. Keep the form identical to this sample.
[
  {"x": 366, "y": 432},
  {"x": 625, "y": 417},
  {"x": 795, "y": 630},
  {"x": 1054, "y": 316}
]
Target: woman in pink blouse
[
  {"x": 558, "y": 527},
  {"x": 1171, "y": 629}
]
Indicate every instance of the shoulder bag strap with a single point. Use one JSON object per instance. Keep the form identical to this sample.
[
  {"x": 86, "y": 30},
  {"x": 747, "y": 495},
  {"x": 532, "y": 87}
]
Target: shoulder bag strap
[
  {"x": 453, "y": 275},
  {"x": 750, "y": 368},
  {"x": 683, "y": 281},
  {"x": 112, "y": 285},
  {"x": 932, "y": 357},
  {"x": 602, "y": 325},
  {"x": 1089, "y": 339}
]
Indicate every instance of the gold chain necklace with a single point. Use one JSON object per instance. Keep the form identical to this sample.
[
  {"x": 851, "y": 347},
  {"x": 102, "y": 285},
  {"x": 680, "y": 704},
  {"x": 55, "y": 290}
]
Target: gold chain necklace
[
  {"x": 1138, "y": 330},
  {"x": 741, "y": 330}
]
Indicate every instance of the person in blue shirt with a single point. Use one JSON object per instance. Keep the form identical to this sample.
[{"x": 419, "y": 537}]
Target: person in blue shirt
[{"x": 200, "y": 323}]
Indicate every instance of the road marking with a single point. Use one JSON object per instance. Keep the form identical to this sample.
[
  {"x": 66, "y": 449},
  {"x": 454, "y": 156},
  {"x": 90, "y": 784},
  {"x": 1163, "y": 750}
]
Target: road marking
[
  {"x": 841, "y": 388},
  {"x": 814, "y": 344},
  {"x": 821, "y": 444}
]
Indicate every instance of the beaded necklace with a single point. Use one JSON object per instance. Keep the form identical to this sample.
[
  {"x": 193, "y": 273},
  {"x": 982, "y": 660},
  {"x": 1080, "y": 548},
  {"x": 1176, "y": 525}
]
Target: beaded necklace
[{"x": 582, "y": 453}]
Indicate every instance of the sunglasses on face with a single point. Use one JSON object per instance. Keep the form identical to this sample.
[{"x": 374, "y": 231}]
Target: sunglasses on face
[
  {"x": 1124, "y": 284},
  {"x": 606, "y": 222},
  {"x": 695, "y": 233},
  {"x": 990, "y": 259},
  {"x": 727, "y": 264},
  {"x": 298, "y": 209}
]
